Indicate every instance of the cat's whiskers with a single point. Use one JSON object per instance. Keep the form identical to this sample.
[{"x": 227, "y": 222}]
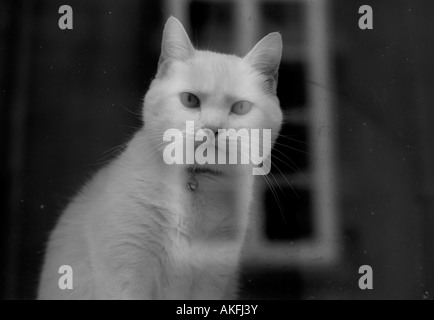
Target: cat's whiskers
[
  {"x": 292, "y": 166},
  {"x": 292, "y": 148},
  {"x": 271, "y": 186},
  {"x": 120, "y": 148}
]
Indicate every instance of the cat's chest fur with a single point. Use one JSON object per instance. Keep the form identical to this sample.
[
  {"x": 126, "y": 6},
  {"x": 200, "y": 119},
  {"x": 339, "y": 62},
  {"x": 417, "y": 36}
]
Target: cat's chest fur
[
  {"x": 185, "y": 243},
  {"x": 203, "y": 235}
]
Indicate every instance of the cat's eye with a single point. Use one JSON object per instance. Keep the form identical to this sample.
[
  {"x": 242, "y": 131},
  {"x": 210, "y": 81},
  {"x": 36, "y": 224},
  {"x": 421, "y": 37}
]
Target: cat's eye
[
  {"x": 190, "y": 100},
  {"x": 241, "y": 107}
]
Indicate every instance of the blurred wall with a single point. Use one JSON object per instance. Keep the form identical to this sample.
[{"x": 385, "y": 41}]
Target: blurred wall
[{"x": 386, "y": 120}]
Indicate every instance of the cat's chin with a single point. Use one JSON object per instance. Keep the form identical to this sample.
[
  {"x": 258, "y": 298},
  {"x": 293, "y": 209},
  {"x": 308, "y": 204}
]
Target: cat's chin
[
  {"x": 205, "y": 170},
  {"x": 216, "y": 170}
]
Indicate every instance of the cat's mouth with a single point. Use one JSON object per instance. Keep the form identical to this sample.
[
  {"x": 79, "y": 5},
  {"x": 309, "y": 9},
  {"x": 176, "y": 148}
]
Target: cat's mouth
[{"x": 204, "y": 170}]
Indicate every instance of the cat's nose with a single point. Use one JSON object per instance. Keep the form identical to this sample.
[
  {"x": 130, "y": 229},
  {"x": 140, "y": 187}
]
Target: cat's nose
[
  {"x": 212, "y": 130},
  {"x": 209, "y": 132}
]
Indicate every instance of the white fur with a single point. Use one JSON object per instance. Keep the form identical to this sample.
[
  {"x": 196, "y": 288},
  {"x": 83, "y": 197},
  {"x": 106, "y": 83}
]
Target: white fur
[{"x": 136, "y": 231}]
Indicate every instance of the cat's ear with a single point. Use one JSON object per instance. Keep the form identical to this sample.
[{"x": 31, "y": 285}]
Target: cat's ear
[
  {"x": 265, "y": 57},
  {"x": 176, "y": 44}
]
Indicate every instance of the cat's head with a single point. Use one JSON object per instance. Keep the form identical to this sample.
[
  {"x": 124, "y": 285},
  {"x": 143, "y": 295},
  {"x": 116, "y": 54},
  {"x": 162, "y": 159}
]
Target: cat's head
[{"x": 216, "y": 91}]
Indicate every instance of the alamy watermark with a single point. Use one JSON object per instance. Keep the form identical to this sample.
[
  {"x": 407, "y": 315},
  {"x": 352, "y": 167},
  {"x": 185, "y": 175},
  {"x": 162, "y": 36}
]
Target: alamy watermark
[
  {"x": 66, "y": 280},
  {"x": 366, "y": 281},
  {"x": 202, "y": 145}
]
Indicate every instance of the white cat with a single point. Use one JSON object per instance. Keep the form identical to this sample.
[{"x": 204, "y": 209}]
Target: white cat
[{"x": 142, "y": 229}]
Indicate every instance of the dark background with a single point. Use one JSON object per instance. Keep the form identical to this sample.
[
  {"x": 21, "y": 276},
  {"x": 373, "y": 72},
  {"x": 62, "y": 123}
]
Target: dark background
[{"x": 67, "y": 98}]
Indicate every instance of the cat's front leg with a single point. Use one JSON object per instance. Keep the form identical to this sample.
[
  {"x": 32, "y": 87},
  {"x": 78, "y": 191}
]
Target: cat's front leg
[
  {"x": 128, "y": 286},
  {"x": 128, "y": 278}
]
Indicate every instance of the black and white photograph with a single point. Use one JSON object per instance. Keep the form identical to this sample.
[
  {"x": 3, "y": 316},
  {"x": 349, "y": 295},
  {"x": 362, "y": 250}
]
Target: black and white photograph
[{"x": 222, "y": 150}]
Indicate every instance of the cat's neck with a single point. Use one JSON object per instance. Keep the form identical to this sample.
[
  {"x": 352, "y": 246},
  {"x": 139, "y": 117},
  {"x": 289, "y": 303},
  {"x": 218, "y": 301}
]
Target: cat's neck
[{"x": 145, "y": 159}]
